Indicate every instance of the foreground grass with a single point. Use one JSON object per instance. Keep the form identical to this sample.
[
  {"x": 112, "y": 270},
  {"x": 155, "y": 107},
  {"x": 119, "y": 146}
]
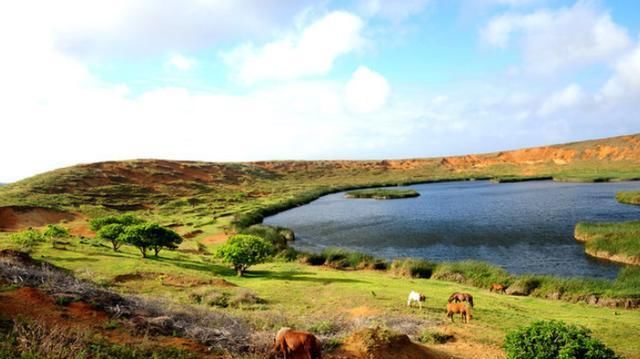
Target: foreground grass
[
  {"x": 382, "y": 193},
  {"x": 317, "y": 297},
  {"x": 618, "y": 241}
]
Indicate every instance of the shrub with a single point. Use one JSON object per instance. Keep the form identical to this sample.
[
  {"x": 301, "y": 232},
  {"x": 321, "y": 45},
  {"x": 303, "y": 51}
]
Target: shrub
[
  {"x": 412, "y": 267},
  {"x": 274, "y": 235},
  {"x": 55, "y": 232},
  {"x": 525, "y": 284},
  {"x": 245, "y": 297},
  {"x": 434, "y": 337},
  {"x": 27, "y": 239},
  {"x": 554, "y": 339},
  {"x": 243, "y": 251},
  {"x": 476, "y": 273}
]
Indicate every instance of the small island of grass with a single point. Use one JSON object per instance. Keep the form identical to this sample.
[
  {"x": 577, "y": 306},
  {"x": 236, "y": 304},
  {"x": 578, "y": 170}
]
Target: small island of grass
[
  {"x": 382, "y": 193},
  {"x": 618, "y": 242},
  {"x": 631, "y": 197}
]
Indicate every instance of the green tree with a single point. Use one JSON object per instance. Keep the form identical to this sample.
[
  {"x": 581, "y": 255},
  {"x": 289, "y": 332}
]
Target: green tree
[
  {"x": 112, "y": 228},
  {"x": 150, "y": 236},
  {"x": 112, "y": 232},
  {"x": 554, "y": 339},
  {"x": 243, "y": 251}
]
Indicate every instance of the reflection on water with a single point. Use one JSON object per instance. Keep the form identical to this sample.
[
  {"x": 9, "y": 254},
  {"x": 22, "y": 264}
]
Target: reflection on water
[{"x": 525, "y": 227}]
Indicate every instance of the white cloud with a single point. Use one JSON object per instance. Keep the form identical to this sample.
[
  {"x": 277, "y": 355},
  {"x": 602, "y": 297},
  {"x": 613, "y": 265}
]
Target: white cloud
[
  {"x": 181, "y": 62},
  {"x": 568, "y": 97},
  {"x": 554, "y": 40},
  {"x": 310, "y": 52},
  {"x": 625, "y": 82},
  {"x": 367, "y": 91},
  {"x": 393, "y": 10},
  {"x": 134, "y": 28}
]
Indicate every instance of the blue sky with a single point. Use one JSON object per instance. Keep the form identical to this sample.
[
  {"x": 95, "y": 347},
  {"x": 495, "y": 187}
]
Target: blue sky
[{"x": 216, "y": 80}]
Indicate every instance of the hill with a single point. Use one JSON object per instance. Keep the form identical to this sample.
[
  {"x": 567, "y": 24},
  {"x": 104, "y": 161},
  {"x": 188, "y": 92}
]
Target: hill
[{"x": 199, "y": 192}]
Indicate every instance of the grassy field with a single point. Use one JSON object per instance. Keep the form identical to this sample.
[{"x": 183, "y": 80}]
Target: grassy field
[
  {"x": 341, "y": 298},
  {"x": 382, "y": 193}
]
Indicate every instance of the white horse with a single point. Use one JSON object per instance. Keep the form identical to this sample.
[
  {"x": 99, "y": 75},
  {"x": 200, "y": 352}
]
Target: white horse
[{"x": 416, "y": 297}]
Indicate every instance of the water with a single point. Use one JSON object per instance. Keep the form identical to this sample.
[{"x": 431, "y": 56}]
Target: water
[{"x": 525, "y": 227}]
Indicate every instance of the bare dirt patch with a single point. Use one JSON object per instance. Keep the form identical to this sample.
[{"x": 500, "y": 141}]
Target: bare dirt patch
[
  {"x": 215, "y": 238},
  {"x": 33, "y": 304},
  {"x": 376, "y": 343},
  {"x": 16, "y": 218}
]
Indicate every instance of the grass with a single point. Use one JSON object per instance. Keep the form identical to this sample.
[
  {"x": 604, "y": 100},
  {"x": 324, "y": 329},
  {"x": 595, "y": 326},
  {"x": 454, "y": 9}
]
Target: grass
[
  {"x": 283, "y": 292},
  {"x": 620, "y": 239},
  {"x": 382, "y": 193},
  {"x": 629, "y": 197}
]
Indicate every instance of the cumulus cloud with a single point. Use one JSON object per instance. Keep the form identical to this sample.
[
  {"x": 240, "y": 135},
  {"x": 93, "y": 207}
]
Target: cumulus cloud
[
  {"x": 312, "y": 51},
  {"x": 625, "y": 82},
  {"x": 568, "y": 97},
  {"x": 135, "y": 28},
  {"x": 393, "y": 10},
  {"x": 556, "y": 39},
  {"x": 181, "y": 62},
  {"x": 367, "y": 91}
]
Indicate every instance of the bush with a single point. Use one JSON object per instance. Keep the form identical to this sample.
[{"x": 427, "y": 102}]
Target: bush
[
  {"x": 434, "y": 337},
  {"x": 476, "y": 273},
  {"x": 277, "y": 236},
  {"x": 27, "y": 239},
  {"x": 554, "y": 339},
  {"x": 412, "y": 267},
  {"x": 243, "y": 251},
  {"x": 525, "y": 284}
]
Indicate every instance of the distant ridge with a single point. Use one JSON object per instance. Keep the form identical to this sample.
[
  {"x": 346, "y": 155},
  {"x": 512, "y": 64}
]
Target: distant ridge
[{"x": 205, "y": 189}]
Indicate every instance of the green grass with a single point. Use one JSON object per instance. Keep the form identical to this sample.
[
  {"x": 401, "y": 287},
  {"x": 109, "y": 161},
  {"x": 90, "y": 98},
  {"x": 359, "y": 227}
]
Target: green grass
[
  {"x": 622, "y": 238},
  {"x": 630, "y": 197},
  {"x": 285, "y": 288},
  {"x": 382, "y": 193}
]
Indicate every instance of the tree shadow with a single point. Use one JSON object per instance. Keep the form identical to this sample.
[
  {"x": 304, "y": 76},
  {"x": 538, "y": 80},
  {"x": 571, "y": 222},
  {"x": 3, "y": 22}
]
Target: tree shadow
[
  {"x": 298, "y": 276},
  {"x": 193, "y": 265}
]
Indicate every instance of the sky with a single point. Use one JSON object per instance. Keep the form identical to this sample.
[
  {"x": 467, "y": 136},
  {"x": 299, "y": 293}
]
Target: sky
[{"x": 237, "y": 80}]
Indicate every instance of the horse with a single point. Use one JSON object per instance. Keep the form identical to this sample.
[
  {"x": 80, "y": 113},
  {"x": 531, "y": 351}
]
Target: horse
[
  {"x": 296, "y": 344},
  {"x": 461, "y": 297},
  {"x": 416, "y": 297},
  {"x": 455, "y": 308},
  {"x": 498, "y": 288}
]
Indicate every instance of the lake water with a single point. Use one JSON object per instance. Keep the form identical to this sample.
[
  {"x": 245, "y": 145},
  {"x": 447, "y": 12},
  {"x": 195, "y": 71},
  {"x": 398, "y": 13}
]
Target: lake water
[{"x": 525, "y": 227}]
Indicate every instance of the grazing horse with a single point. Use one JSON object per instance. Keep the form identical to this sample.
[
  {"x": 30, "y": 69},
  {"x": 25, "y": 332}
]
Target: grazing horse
[
  {"x": 296, "y": 344},
  {"x": 455, "y": 308},
  {"x": 461, "y": 297},
  {"x": 416, "y": 297},
  {"x": 498, "y": 288}
]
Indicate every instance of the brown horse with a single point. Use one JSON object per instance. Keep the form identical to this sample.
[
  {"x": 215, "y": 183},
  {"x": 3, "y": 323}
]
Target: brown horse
[
  {"x": 296, "y": 344},
  {"x": 455, "y": 308},
  {"x": 461, "y": 297},
  {"x": 498, "y": 288}
]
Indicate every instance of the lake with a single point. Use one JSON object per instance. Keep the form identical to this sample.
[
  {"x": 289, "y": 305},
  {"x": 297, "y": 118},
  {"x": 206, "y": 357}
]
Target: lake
[{"x": 524, "y": 227}]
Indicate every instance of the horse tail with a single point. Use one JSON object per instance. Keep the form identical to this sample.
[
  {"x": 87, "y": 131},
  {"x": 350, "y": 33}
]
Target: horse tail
[{"x": 471, "y": 301}]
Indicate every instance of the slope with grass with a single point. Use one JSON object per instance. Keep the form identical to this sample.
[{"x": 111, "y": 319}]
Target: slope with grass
[
  {"x": 193, "y": 194},
  {"x": 343, "y": 302}
]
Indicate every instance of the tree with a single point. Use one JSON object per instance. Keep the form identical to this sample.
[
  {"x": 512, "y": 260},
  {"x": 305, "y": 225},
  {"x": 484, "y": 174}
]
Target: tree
[
  {"x": 112, "y": 228},
  {"x": 554, "y": 339},
  {"x": 150, "y": 236},
  {"x": 112, "y": 233},
  {"x": 243, "y": 251}
]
